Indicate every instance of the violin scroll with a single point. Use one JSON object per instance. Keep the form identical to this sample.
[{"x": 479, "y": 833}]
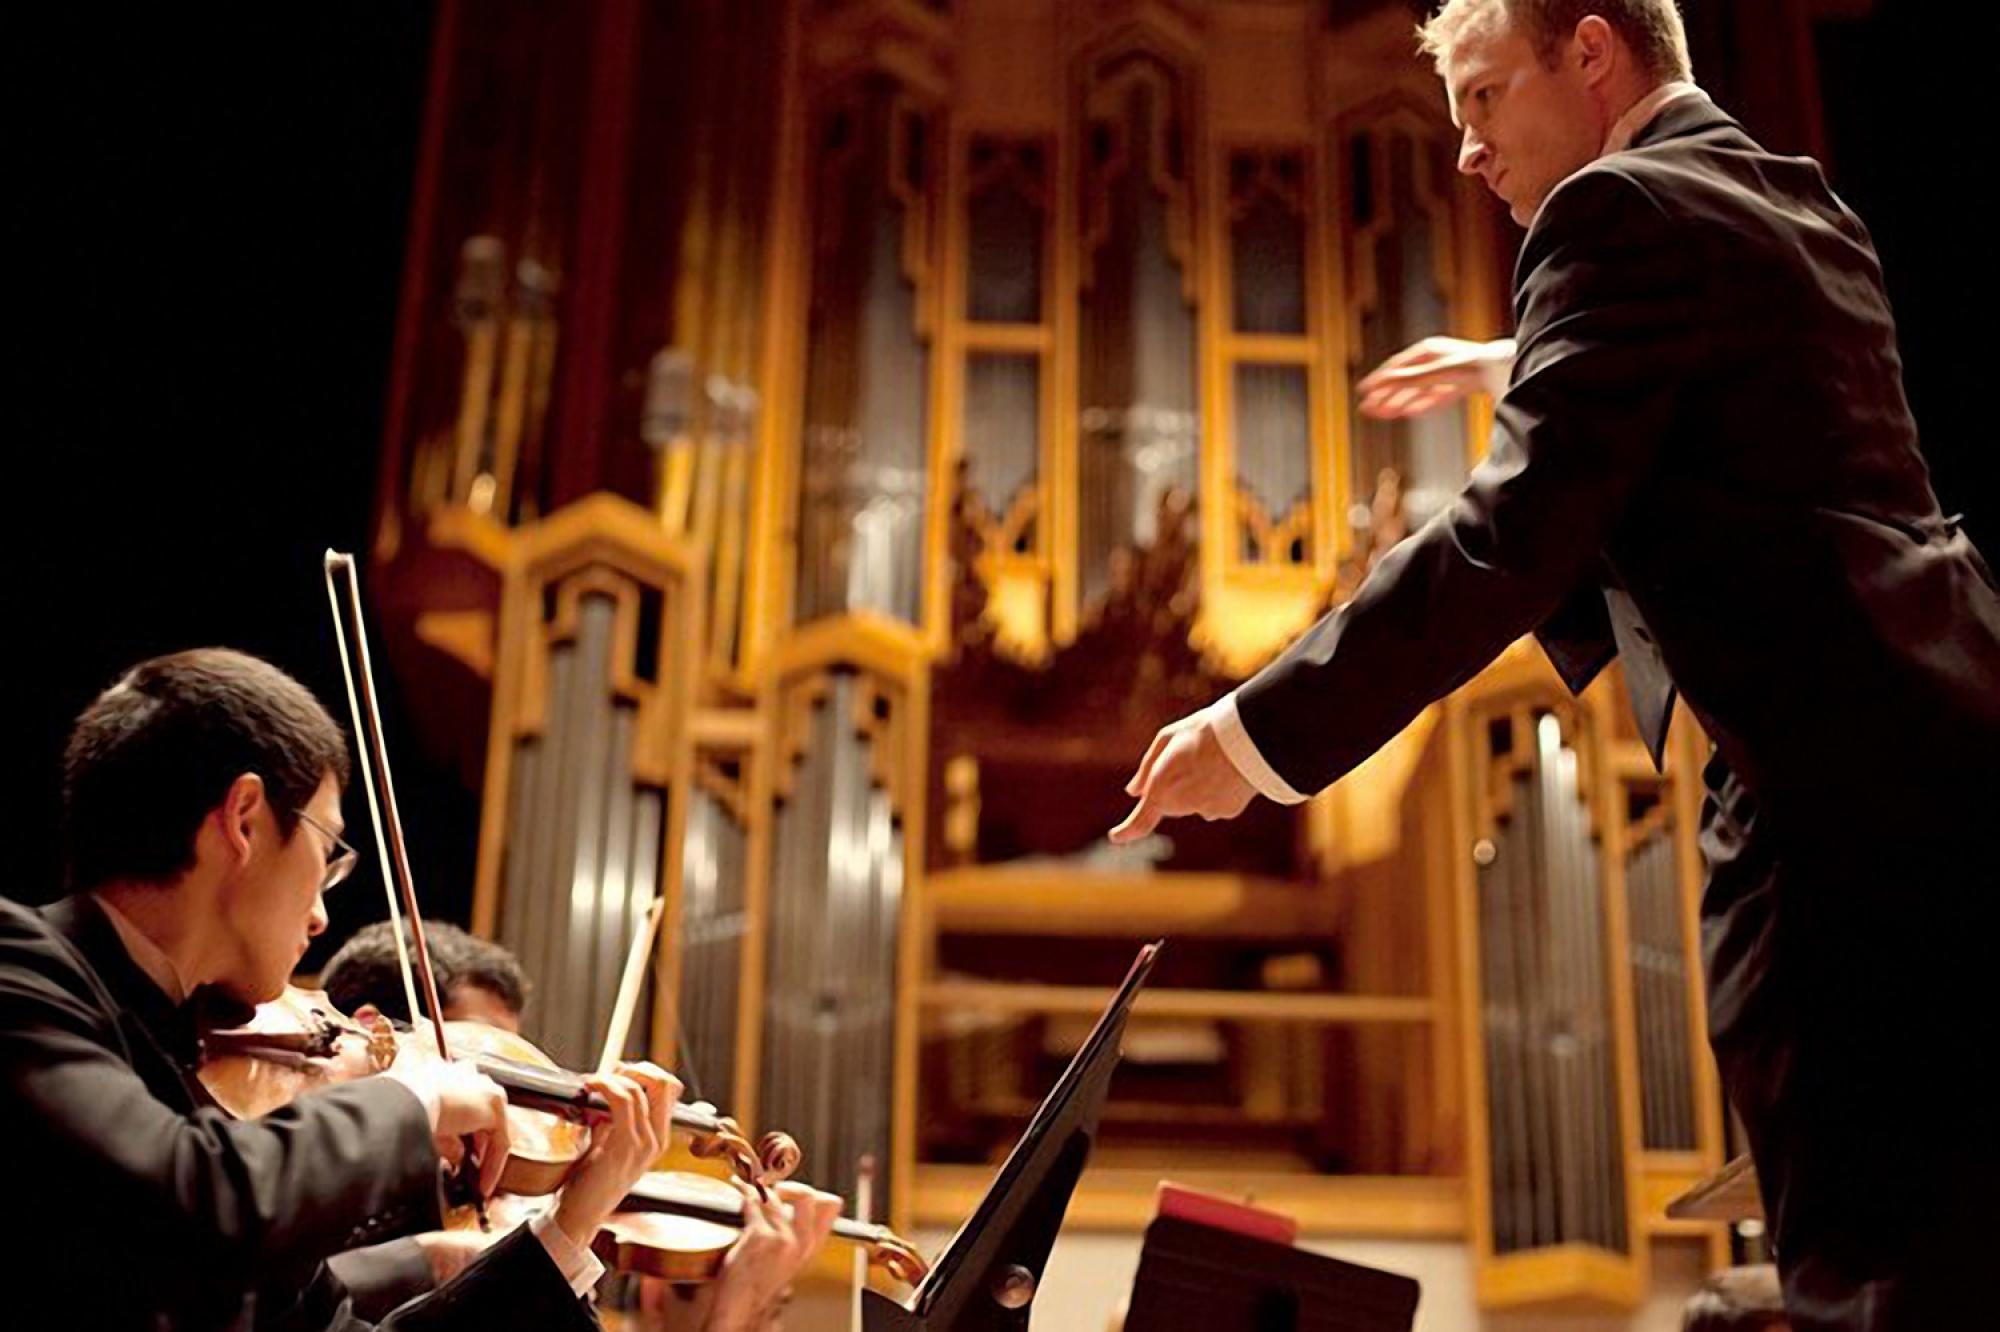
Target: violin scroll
[
  {"x": 898, "y": 1257},
  {"x": 727, "y": 1143},
  {"x": 780, "y": 1155}
]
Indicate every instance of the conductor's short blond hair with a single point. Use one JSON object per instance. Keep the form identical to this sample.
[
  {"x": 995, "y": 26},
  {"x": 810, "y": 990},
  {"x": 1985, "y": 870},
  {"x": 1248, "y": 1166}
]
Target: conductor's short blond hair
[{"x": 1651, "y": 28}]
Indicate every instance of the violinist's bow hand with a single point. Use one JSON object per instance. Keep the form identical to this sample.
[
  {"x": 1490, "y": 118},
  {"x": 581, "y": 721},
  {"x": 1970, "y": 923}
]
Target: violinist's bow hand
[{"x": 460, "y": 1101}]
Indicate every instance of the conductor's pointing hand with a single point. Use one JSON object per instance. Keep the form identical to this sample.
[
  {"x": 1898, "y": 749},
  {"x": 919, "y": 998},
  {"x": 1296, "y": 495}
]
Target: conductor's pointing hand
[{"x": 1185, "y": 772}]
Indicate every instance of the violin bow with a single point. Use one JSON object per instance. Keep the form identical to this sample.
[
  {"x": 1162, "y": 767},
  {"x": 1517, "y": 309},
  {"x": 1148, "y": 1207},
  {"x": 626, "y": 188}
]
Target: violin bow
[
  {"x": 625, "y": 1007},
  {"x": 864, "y": 1210},
  {"x": 622, "y": 1009},
  {"x": 701, "y": 1123},
  {"x": 375, "y": 778}
]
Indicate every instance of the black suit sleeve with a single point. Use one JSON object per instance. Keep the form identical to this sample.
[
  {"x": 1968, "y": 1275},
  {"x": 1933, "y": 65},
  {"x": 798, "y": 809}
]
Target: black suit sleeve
[
  {"x": 382, "y": 1276},
  {"x": 1608, "y": 327},
  {"x": 514, "y": 1284},
  {"x": 204, "y": 1202}
]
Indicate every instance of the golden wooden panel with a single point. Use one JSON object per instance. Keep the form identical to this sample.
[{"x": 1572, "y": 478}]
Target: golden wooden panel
[
  {"x": 466, "y": 636},
  {"x": 1244, "y": 1005},
  {"x": 1566, "y": 1278},
  {"x": 1008, "y": 76},
  {"x": 1259, "y": 64},
  {"x": 1124, "y": 1197},
  {"x": 1005, "y": 900}
]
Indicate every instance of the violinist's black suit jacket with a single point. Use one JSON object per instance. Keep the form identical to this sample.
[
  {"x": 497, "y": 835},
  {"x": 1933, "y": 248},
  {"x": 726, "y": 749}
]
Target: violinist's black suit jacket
[
  {"x": 1705, "y": 464},
  {"x": 140, "y": 1206}
]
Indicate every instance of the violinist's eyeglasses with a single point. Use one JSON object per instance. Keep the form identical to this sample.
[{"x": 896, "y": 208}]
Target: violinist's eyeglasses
[{"x": 340, "y": 857}]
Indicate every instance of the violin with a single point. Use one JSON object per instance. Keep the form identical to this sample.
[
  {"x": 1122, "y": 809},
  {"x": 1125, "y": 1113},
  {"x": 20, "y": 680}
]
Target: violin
[
  {"x": 662, "y": 1195},
  {"x": 676, "y": 1225},
  {"x": 663, "y": 1245},
  {"x": 290, "y": 1046},
  {"x": 299, "y": 1042}
]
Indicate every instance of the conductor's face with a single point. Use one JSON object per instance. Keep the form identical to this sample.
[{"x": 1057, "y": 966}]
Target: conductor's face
[{"x": 1527, "y": 123}]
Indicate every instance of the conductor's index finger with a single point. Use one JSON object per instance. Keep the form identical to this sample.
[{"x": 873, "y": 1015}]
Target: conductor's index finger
[{"x": 1145, "y": 817}]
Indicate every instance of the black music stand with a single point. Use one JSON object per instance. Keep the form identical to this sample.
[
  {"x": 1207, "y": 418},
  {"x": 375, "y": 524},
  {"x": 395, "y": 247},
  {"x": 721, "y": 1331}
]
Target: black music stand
[
  {"x": 1196, "y": 1278},
  {"x": 986, "y": 1279}
]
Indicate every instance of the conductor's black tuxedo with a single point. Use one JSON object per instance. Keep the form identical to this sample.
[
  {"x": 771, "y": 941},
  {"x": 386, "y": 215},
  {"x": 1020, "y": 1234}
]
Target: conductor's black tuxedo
[
  {"x": 1705, "y": 464},
  {"x": 140, "y": 1206}
]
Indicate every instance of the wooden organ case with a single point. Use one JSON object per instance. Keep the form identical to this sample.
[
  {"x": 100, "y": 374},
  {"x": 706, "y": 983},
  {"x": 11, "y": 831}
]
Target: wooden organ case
[{"x": 829, "y": 437}]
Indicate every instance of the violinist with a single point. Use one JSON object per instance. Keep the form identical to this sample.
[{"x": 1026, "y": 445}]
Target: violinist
[
  {"x": 202, "y": 805},
  {"x": 481, "y": 981},
  {"x": 478, "y": 979}
]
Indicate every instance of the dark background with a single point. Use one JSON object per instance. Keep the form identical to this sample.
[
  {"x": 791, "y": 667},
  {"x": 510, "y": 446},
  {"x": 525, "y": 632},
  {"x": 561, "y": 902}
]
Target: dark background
[
  {"x": 204, "y": 250},
  {"x": 214, "y": 207}
]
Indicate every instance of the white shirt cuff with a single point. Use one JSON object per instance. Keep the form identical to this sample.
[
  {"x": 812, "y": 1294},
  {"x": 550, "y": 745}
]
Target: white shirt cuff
[
  {"x": 578, "y": 1265},
  {"x": 427, "y": 1097},
  {"x": 1242, "y": 752},
  {"x": 1497, "y": 371}
]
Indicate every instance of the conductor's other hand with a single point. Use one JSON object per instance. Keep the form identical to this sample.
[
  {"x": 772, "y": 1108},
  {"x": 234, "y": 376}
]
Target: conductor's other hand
[
  {"x": 1185, "y": 771},
  {"x": 1432, "y": 373}
]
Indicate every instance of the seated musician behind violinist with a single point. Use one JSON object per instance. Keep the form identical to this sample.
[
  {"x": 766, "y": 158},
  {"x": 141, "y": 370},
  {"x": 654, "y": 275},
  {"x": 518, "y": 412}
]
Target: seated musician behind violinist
[
  {"x": 202, "y": 802},
  {"x": 479, "y": 980}
]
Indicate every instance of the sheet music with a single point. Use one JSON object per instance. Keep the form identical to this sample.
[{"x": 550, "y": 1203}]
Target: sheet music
[{"x": 1113, "y": 1015}]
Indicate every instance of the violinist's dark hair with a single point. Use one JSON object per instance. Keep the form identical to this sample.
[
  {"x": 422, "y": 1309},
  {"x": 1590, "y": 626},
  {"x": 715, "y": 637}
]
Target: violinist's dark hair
[
  {"x": 481, "y": 962},
  {"x": 157, "y": 751},
  {"x": 366, "y": 971}
]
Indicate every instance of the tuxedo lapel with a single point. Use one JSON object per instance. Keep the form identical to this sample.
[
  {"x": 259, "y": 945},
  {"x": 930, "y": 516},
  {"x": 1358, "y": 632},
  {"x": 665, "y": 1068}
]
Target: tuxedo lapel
[{"x": 1647, "y": 682}]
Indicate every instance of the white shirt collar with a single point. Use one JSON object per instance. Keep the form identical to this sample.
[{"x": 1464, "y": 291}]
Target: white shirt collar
[
  {"x": 1641, "y": 113},
  {"x": 146, "y": 954}
]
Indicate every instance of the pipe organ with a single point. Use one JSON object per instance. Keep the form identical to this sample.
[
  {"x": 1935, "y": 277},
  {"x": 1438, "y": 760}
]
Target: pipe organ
[
  {"x": 862, "y": 446},
  {"x": 1138, "y": 421},
  {"x": 1661, "y": 974},
  {"x": 837, "y": 912},
  {"x": 830, "y": 446},
  {"x": 1398, "y": 172},
  {"x": 714, "y": 924},
  {"x": 588, "y": 763},
  {"x": 1558, "y": 1161}
]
